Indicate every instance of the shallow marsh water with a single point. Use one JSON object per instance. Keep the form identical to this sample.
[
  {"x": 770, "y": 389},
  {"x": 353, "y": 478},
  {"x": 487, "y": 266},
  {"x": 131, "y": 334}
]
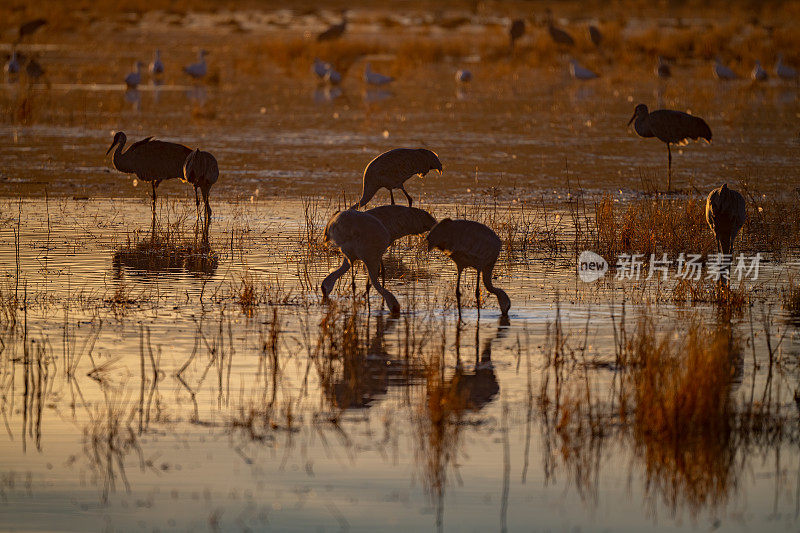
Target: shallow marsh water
[{"x": 147, "y": 391}]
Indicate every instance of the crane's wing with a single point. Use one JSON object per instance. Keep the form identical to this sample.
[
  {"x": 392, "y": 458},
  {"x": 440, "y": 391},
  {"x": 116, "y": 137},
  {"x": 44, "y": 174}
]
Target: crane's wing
[
  {"x": 677, "y": 127},
  {"x": 402, "y": 221},
  {"x": 157, "y": 160}
]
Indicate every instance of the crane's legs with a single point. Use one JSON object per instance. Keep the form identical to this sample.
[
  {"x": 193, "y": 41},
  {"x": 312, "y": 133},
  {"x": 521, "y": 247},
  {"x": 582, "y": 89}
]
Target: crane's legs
[
  {"x": 197, "y": 210},
  {"x": 410, "y": 201},
  {"x": 391, "y": 195},
  {"x": 207, "y": 222},
  {"x": 669, "y": 168},
  {"x": 153, "y": 226},
  {"x": 478, "y": 291},
  {"x": 458, "y": 294}
]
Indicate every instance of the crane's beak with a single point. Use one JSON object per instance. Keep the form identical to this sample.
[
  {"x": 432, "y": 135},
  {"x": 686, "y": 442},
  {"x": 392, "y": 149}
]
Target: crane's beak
[
  {"x": 113, "y": 144},
  {"x": 632, "y": 119}
]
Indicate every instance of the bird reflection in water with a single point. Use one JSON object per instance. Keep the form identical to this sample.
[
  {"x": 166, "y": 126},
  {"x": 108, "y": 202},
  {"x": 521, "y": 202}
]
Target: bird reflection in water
[
  {"x": 134, "y": 97},
  {"x": 148, "y": 257},
  {"x": 325, "y": 94}
]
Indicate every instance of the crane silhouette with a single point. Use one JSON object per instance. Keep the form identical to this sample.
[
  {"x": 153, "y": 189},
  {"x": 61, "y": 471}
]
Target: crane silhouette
[
  {"x": 157, "y": 66},
  {"x": 470, "y": 245},
  {"x": 558, "y": 35},
  {"x": 198, "y": 69},
  {"x": 359, "y": 236},
  {"x": 29, "y": 28},
  {"x": 726, "y": 214},
  {"x": 133, "y": 79},
  {"x": 670, "y": 127},
  {"x": 391, "y": 169},
  {"x": 662, "y": 68},
  {"x": 515, "y": 32},
  {"x": 201, "y": 170},
  {"x": 150, "y": 160},
  {"x": 595, "y": 35},
  {"x": 334, "y": 31}
]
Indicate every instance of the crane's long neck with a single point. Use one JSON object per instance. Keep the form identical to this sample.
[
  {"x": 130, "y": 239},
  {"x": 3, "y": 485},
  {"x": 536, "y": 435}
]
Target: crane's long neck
[
  {"x": 119, "y": 158},
  {"x": 366, "y": 195},
  {"x": 330, "y": 281},
  {"x": 502, "y": 297},
  {"x": 642, "y": 126}
]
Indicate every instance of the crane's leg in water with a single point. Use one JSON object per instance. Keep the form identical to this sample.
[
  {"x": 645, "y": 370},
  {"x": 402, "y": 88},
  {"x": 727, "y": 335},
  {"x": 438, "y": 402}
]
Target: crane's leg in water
[
  {"x": 154, "y": 183},
  {"x": 669, "y": 168},
  {"x": 478, "y": 292},
  {"x": 391, "y": 195},
  {"x": 458, "y": 294},
  {"x": 207, "y": 221},
  {"x": 410, "y": 201}
]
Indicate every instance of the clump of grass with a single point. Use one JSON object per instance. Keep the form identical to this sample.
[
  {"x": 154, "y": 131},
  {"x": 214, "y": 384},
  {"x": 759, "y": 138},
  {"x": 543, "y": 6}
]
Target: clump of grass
[
  {"x": 706, "y": 290},
  {"x": 791, "y": 298}
]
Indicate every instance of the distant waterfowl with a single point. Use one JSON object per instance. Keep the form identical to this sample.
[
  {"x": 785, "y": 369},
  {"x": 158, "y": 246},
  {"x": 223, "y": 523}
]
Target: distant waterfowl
[
  {"x": 391, "y": 169},
  {"x": 670, "y": 127},
  {"x": 470, "y": 245},
  {"x": 375, "y": 78},
  {"x": 334, "y": 31},
  {"x": 33, "y": 69},
  {"x": 721, "y": 72},
  {"x": 157, "y": 67},
  {"x": 30, "y": 27},
  {"x": 326, "y": 72},
  {"x": 662, "y": 68},
  {"x": 333, "y": 77},
  {"x": 133, "y": 79},
  {"x": 463, "y": 76},
  {"x": 758, "y": 73},
  {"x": 579, "y": 72},
  {"x": 726, "y": 213},
  {"x": 150, "y": 160},
  {"x": 199, "y": 69},
  {"x": 784, "y": 72},
  {"x": 595, "y": 35},
  {"x": 201, "y": 170},
  {"x": 359, "y": 236},
  {"x": 515, "y": 32},
  {"x": 558, "y": 35},
  {"x": 12, "y": 65}
]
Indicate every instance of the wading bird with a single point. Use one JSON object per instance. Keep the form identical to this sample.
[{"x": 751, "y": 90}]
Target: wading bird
[
  {"x": 470, "y": 245},
  {"x": 326, "y": 72},
  {"x": 359, "y": 236},
  {"x": 758, "y": 73},
  {"x": 784, "y": 72},
  {"x": 150, "y": 160},
  {"x": 374, "y": 78},
  {"x": 515, "y": 32},
  {"x": 391, "y": 169},
  {"x": 157, "y": 67},
  {"x": 198, "y": 69},
  {"x": 34, "y": 70},
  {"x": 579, "y": 72},
  {"x": 558, "y": 35},
  {"x": 595, "y": 35},
  {"x": 12, "y": 65},
  {"x": 133, "y": 79},
  {"x": 30, "y": 27},
  {"x": 662, "y": 68},
  {"x": 670, "y": 127},
  {"x": 721, "y": 72},
  {"x": 334, "y": 31},
  {"x": 201, "y": 170},
  {"x": 463, "y": 76},
  {"x": 725, "y": 214}
]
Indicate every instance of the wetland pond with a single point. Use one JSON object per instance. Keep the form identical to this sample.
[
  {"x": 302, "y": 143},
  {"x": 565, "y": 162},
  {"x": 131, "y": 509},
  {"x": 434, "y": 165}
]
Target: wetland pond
[{"x": 152, "y": 382}]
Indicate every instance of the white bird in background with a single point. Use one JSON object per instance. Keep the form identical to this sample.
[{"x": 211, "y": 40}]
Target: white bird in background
[
  {"x": 374, "y": 78},
  {"x": 784, "y": 71},
  {"x": 157, "y": 67},
  {"x": 464, "y": 76},
  {"x": 721, "y": 72},
  {"x": 199, "y": 69},
  {"x": 758, "y": 73},
  {"x": 133, "y": 79},
  {"x": 12, "y": 65},
  {"x": 580, "y": 73}
]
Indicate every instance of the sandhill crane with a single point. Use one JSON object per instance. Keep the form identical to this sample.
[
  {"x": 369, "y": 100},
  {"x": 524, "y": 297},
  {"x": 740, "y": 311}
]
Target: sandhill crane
[
  {"x": 29, "y": 28},
  {"x": 726, "y": 214},
  {"x": 359, "y": 236},
  {"x": 326, "y": 72},
  {"x": 199, "y": 69},
  {"x": 515, "y": 32},
  {"x": 579, "y": 72},
  {"x": 758, "y": 73},
  {"x": 595, "y": 35},
  {"x": 12, "y": 65},
  {"x": 662, "y": 68},
  {"x": 391, "y": 169},
  {"x": 334, "y": 31},
  {"x": 470, "y": 245},
  {"x": 157, "y": 67},
  {"x": 133, "y": 79},
  {"x": 201, "y": 170},
  {"x": 721, "y": 72},
  {"x": 558, "y": 35},
  {"x": 670, "y": 127},
  {"x": 784, "y": 72},
  {"x": 33, "y": 70},
  {"x": 375, "y": 78},
  {"x": 463, "y": 76},
  {"x": 150, "y": 160}
]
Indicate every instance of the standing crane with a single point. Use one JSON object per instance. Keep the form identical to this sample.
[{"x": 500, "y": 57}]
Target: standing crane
[
  {"x": 470, "y": 245},
  {"x": 334, "y": 31},
  {"x": 201, "y": 170},
  {"x": 515, "y": 32},
  {"x": 726, "y": 214},
  {"x": 391, "y": 169},
  {"x": 359, "y": 236},
  {"x": 670, "y": 127},
  {"x": 150, "y": 160}
]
